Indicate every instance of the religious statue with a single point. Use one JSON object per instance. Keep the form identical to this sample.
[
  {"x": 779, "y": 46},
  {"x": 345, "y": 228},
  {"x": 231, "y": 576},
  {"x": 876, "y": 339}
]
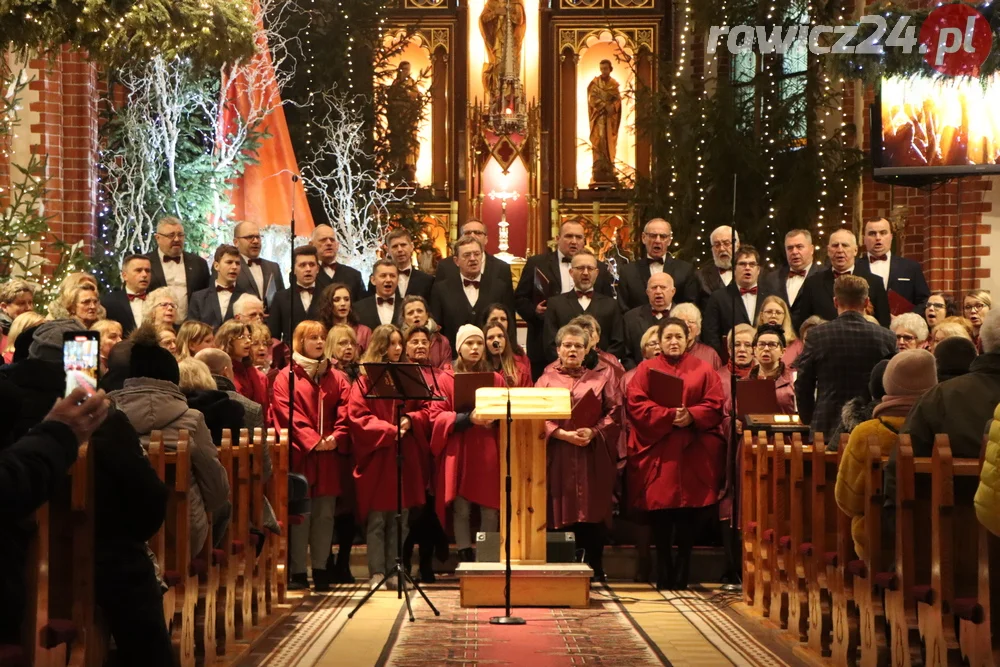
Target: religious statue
[
  {"x": 404, "y": 109},
  {"x": 604, "y": 102},
  {"x": 503, "y": 24}
]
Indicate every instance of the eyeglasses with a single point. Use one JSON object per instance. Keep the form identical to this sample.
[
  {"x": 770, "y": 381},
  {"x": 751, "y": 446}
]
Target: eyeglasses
[
  {"x": 658, "y": 237},
  {"x": 767, "y": 345},
  {"x": 585, "y": 269},
  {"x": 906, "y": 338},
  {"x": 975, "y": 307},
  {"x": 936, "y": 306},
  {"x": 167, "y": 305},
  {"x": 250, "y": 237},
  {"x": 241, "y": 337},
  {"x": 722, "y": 244},
  {"x": 747, "y": 265},
  {"x": 773, "y": 313},
  {"x": 744, "y": 346},
  {"x": 176, "y": 236},
  {"x": 571, "y": 346}
]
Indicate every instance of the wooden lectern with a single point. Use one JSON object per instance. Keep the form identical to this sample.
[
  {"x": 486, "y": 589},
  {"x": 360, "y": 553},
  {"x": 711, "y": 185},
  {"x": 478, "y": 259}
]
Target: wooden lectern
[{"x": 530, "y": 408}]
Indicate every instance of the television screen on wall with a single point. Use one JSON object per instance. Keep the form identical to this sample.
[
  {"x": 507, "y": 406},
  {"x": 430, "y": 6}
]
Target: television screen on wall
[{"x": 936, "y": 127}]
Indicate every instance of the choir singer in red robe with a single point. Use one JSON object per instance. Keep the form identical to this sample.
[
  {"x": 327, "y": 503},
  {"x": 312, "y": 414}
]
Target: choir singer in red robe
[
  {"x": 319, "y": 431},
  {"x": 373, "y": 437},
  {"x": 466, "y": 452},
  {"x": 582, "y": 450},
  {"x": 676, "y": 455}
]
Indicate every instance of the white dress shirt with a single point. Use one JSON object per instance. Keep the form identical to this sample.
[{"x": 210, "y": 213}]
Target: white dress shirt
[
  {"x": 655, "y": 268},
  {"x": 585, "y": 300},
  {"x": 726, "y": 276},
  {"x": 750, "y": 303},
  {"x": 404, "y": 281},
  {"x": 136, "y": 306},
  {"x": 176, "y": 277},
  {"x": 328, "y": 270},
  {"x": 567, "y": 280},
  {"x": 471, "y": 291},
  {"x": 881, "y": 269},
  {"x": 257, "y": 273},
  {"x": 385, "y": 310},
  {"x": 792, "y": 285},
  {"x": 306, "y": 297},
  {"x": 224, "y": 296}
]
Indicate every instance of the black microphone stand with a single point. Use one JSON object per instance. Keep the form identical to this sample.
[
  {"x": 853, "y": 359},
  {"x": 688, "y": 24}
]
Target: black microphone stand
[
  {"x": 507, "y": 619},
  {"x": 734, "y": 531},
  {"x": 291, "y": 329}
]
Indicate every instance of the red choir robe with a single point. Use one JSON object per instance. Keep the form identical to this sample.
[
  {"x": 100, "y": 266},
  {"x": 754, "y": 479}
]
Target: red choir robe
[
  {"x": 347, "y": 500},
  {"x": 373, "y": 439},
  {"x": 669, "y": 466},
  {"x": 364, "y": 335},
  {"x": 701, "y": 351},
  {"x": 440, "y": 351},
  {"x": 253, "y": 384},
  {"x": 581, "y": 480},
  {"x": 467, "y": 464},
  {"x": 792, "y": 353},
  {"x": 320, "y": 410},
  {"x": 523, "y": 371}
]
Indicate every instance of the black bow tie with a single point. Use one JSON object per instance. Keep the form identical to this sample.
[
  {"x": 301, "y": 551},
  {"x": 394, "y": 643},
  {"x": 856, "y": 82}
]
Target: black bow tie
[
  {"x": 405, "y": 272},
  {"x": 566, "y": 260},
  {"x": 223, "y": 288},
  {"x": 307, "y": 290},
  {"x": 386, "y": 301},
  {"x": 172, "y": 259},
  {"x": 656, "y": 260},
  {"x": 258, "y": 261}
]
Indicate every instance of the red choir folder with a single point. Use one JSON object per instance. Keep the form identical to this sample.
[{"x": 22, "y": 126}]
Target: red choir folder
[
  {"x": 587, "y": 408},
  {"x": 667, "y": 390},
  {"x": 899, "y": 304},
  {"x": 757, "y": 397},
  {"x": 466, "y": 385},
  {"x": 541, "y": 284}
]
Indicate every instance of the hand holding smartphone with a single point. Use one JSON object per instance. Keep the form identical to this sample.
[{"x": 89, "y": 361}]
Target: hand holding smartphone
[{"x": 81, "y": 360}]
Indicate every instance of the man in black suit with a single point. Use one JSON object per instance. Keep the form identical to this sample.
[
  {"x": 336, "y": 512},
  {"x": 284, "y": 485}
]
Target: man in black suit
[
  {"x": 464, "y": 300},
  {"x": 899, "y": 274},
  {"x": 214, "y": 305},
  {"x": 816, "y": 295},
  {"x": 412, "y": 281},
  {"x": 124, "y": 306},
  {"x": 583, "y": 299},
  {"x": 787, "y": 281},
  {"x": 554, "y": 268},
  {"x": 493, "y": 269},
  {"x": 744, "y": 292},
  {"x": 300, "y": 301},
  {"x": 258, "y": 276},
  {"x": 324, "y": 239},
  {"x": 634, "y": 276},
  {"x": 659, "y": 300},
  {"x": 184, "y": 272},
  {"x": 713, "y": 277},
  {"x": 383, "y": 306},
  {"x": 838, "y": 358}
]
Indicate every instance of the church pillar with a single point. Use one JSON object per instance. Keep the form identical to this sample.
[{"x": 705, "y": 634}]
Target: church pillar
[
  {"x": 644, "y": 72},
  {"x": 568, "y": 60},
  {"x": 439, "y": 121}
]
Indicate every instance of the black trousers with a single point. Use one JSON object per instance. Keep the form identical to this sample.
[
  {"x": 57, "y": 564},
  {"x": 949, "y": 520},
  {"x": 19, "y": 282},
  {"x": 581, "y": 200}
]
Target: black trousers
[
  {"x": 427, "y": 533},
  {"x": 677, "y": 526}
]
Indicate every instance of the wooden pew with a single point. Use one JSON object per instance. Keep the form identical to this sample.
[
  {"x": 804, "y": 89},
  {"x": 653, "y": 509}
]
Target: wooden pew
[
  {"x": 822, "y": 533},
  {"x": 844, "y": 625},
  {"x": 259, "y": 603},
  {"x": 276, "y": 491},
  {"x": 241, "y": 523},
  {"x": 281, "y": 511},
  {"x": 776, "y": 561},
  {"x": 980, "y": 642},
  {"x": 865, "y": 571},
  {"x": 158, "y": 545},
  {"x": 799, "y": 530},
  {"x": 748, "y": 516},
  {"x": 233, "y": 548}
]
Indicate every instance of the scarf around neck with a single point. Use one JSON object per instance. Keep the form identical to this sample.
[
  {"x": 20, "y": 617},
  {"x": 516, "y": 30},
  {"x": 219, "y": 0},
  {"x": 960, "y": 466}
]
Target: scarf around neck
[
  {"x": 895, "y": 406},
  {"x": 313, "y": 367}
]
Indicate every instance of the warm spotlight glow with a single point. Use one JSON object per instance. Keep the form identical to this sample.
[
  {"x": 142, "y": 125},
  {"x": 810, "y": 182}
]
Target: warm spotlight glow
[{"x": 420, "y": 62}]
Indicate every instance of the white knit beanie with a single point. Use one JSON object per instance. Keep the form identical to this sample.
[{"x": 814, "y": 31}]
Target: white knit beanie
[{"x": 464, "y": 332}]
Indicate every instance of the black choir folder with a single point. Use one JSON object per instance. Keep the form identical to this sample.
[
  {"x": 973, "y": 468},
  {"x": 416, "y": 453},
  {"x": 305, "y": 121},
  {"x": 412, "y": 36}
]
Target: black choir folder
[
  {"x": 757, "y": 397},
  {"x": 541, "y": 284},
  {"x": 466, "y": 385},
  {"x": 667, "y": 390}
]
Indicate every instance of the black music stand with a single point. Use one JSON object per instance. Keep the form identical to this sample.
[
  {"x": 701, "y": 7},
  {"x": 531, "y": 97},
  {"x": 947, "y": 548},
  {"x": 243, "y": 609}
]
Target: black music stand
[{"x": 399, "y": 382}]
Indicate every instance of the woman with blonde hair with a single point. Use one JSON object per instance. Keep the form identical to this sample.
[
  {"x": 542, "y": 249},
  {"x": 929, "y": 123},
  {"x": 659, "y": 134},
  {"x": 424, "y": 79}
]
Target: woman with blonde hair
[
  {"x": 975, "y": 306},
  {"x": 950, "y": 327},
  {"x": 160, "y": 309},
  {"x": 233, "y": 338},
  {"x": 57, "y": 308},
  {"x": 260, "y": 346},
  {"x": 192, "y": 338},
  {"x": 21, "y": 323},
  {"x": 82, "y": 303},
  {"x": 320, "y": 431},
  {"x": 111, "y": 335},
  {"x": 342, "y": 349},
  {"x": 775, "y": 311}
]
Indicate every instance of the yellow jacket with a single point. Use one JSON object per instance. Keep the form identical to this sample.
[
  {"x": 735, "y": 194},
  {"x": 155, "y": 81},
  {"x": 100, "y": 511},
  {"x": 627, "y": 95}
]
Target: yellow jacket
[
  {"x": 850, "y": 489},
  {"x": 988, "y": 493}
]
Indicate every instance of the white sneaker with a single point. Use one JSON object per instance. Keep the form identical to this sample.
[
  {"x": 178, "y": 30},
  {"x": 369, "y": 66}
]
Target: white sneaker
[{"x": 375, "y": 580}]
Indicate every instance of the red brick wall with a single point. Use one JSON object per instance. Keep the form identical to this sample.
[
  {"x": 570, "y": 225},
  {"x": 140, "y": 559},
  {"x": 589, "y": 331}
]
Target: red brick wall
[{"x": 66, "y": 129}]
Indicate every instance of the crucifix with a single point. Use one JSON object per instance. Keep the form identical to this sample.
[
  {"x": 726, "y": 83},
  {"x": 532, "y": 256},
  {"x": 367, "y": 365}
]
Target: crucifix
[{"x": 503, "y": 224}]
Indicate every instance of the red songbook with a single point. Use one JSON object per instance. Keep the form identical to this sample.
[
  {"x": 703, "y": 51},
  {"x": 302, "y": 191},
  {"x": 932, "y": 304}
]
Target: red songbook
[
  {"x": 667, "y": 390},
  {"x": 757, "y": 397},
  {"x": 899, "y": 304},
  {"x": 587, "y": 408},
  {"x": 466, "y": 385},
  {"x": 541, "y": 284}
]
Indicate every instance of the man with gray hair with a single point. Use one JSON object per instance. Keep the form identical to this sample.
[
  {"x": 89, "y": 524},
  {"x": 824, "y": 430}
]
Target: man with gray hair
[
  {"x": 634, "y": 277},
  {"x": 788, "y": 280},
  {"x": 221, "y": 367},
  {"x": 248, "y": 308},
  {"x": 324, "y": 239},
  {"x": 719, "y": 273},
  {"x": 183, "y": 272}
]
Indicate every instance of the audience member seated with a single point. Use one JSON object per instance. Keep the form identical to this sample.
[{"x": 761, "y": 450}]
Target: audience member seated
[
  {"x": 775, "y": 311},
  {"x": 908, "y": 376},
  {"x": 501, "y": 358},
  {"x": 768, "y": 348},
  {"x": 691, "y": 316},
  {"x": 58, "y": 308},
  {"x": 676, "y": 455},
  {"x": 939, "y": 306},
  {"x": 860, "y": 408},
  {"x": 960, "y": 407},
  {"x": 248, "y": 309},
  {"x": 83, "y": 304},
  {"x": 220, "y": 368},
  {"x": 954, "y": 357},
  {"x": 336, "y": 307},
  {"x": 951, "y": 327},
  {"x": 318, "y": 431},
  {"x": 167, "y": 340},
  {"x": 16, "y": 296},
  {"x": 23, "y": 322},
  {"x": 152, "y": 401},
  {"x": 583, "y": 450},
  {"x": 838, "y": 357},
  {"x": 415, "y": 313},
  {"x": 911, "y": 331},
  {"x": 193, "y": 337},
  {"x": 975, "y": 306},
  {"x": 233, "y": 338},
  {"x": 221, "y": 412},
  {"x": 111, "y": 335},
  {"x": 160, "y": 309}
]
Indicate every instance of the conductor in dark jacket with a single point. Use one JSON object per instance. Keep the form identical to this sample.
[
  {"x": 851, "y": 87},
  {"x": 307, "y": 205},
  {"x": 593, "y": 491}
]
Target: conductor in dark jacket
[
  {"x": 214, "y": 305},
  {"x": 300, "y": 301},
  {"x": 656, "y": 237},
  {"x": 125, "y": 305},
  {"x": 816, "y": 296},
  {"x": 584, "y": 300},
  {"x": 172, "y": 267},
  {"x": 838, "y": 357},
  {"x": 744, "y": 292},
  {"x": 899, "y": 274},
  {"x": 553, "y": 268}
]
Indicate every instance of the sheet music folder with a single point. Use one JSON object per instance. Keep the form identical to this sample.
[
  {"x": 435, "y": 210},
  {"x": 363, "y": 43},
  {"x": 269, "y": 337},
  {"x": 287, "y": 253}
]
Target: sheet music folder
[
  {"x": 401, "y": 381},
  {"x": 466, "y": 385},
  {"x": 667, "y": 390},
  {"x": 757, "y": 397}
]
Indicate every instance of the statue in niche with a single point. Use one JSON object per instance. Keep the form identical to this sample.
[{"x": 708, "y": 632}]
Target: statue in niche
[
  {"x": 604, "y": 103},
  {"x": 502, "y": 24},
  {"x": 404, "y": 107}
]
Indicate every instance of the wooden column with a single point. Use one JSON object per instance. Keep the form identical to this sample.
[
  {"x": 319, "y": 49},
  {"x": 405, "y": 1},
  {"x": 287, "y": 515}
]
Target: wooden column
[
  {"x": 439, "y": 120},
  {"x": 568, "y": 60},
  {"x": 643, "y": 151}
]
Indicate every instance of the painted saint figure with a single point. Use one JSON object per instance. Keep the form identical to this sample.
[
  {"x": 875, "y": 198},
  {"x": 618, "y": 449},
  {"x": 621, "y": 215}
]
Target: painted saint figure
[
  {"x": 604, "y": 102},
  {"x": 404, "y": 114}
]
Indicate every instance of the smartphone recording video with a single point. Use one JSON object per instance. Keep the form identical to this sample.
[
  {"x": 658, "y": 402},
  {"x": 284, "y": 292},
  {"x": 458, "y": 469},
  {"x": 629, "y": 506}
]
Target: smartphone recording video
[{"x": 81, "y": 358}]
